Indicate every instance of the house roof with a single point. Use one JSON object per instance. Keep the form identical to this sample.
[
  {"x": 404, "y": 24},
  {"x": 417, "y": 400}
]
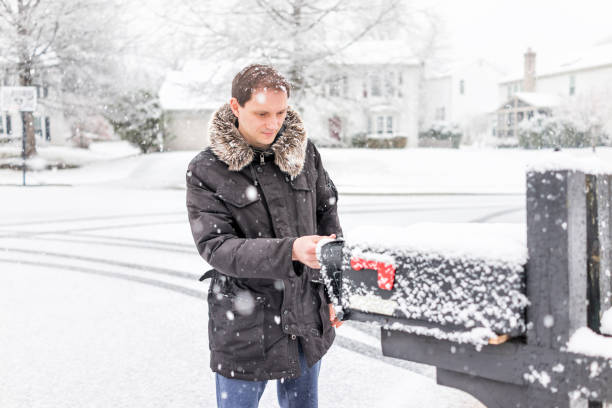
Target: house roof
[
  {"x": 198, "y": 86},
  {"x": 535, "y": 99},
  {"x": 372, "y": 52},
  {"x": 460, "y": 66},
  {"x": 594, "y": 57}
]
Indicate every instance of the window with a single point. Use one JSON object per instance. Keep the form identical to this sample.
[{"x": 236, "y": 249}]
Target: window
[
  {"x": 389, "y": 124},
  {"x": 400, "y": 84},
  {"x": 440, "y": 113},
  {"x": 380, "y": 122},
  {"x": 37, "y": 127},
  {"x": 47, "y": 128},
  {"x": 462, "y": 87},
  {"x": 572, "y": 84},
  {"x": 334, "y": 88},
  {"x": 338, "y": 86},
  {"x": 376, "y": 86},
  {"x": 521, "y": 115},
  {"x": 369, "y": 125},
  {"x": 45, "y": 91},
  {"x": 390, "y": 84},
  {"x": 365, "y": 88}
]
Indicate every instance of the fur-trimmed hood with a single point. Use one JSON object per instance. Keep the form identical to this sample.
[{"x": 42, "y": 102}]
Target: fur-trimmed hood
[{"x": 231, "y": 148}]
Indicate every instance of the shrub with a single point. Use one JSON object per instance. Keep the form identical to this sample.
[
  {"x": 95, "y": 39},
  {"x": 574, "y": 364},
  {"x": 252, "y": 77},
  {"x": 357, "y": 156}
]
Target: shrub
[
  {"x": 137, "y": 117},
  {"x": 441, "y": 134}
]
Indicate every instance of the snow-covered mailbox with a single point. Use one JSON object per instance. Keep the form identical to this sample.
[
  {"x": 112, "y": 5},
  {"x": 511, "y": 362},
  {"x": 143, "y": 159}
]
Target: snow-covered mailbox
[{"x": 509, "y": 314}]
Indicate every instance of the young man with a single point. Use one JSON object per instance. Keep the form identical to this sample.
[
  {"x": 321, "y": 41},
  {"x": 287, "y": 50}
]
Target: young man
[{"x": 259, "y": 200}]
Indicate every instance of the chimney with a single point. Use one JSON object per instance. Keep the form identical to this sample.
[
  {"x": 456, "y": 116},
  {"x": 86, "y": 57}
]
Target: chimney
[{"x": 529, "y": 80}]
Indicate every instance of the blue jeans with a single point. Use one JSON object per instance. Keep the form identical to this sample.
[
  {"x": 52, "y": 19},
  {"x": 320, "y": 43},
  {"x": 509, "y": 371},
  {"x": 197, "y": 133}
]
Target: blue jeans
[{"x": 299, "y": 392}]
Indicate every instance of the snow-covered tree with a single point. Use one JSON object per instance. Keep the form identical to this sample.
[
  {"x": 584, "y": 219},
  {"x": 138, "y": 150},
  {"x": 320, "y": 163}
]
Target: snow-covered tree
[
  {"x": 137, "y": 117},
  {"x": 306, "y": 37},
  {"x": 70, "y": 47},
  {"x": 442, "y": 131},
  {"x": 561, "y": 130}
]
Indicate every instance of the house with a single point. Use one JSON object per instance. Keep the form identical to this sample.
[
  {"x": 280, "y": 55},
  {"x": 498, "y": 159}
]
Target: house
[
  {"x": 522, "y": 106},
  {"x": 462, "y": 96},
  {"x": 588, "y": 77},
  {"x": 370, "y": 88},
  {"x": 188, "y": 99},
  {"x": 50, "y": 125}
]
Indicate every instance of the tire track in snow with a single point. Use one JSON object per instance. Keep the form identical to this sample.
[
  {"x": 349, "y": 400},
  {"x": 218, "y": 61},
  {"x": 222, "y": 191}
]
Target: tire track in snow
[
  {"x": 28, "y": 234},
  {"x": 496, "y": 214},
  {"x": 340, "y": 341},
  {"x": 117, "y": 275},
  {"x": 80, "y": 219},
  {"x": 159, "y": 247},
  {"x": 149, "y": 241},
  {"x": 140, "y": 267}
]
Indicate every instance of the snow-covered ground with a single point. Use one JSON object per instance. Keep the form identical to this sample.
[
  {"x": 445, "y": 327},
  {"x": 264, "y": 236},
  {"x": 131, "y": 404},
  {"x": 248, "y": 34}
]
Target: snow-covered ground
[
  {"x": 100, "y": 306},
  {"x": 99, "y": 299},
  {"x": 414, "y": 171}
]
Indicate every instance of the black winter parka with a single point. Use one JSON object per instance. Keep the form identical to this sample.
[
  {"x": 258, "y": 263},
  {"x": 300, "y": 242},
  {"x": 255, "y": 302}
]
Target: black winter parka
[{"x": 246, "y": 209}]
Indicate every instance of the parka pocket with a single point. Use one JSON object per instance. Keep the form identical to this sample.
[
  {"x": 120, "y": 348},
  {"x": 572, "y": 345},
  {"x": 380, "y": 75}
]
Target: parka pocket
[
  {"x": 237, "y": 194},
  {"x": 233, "y": 331}
]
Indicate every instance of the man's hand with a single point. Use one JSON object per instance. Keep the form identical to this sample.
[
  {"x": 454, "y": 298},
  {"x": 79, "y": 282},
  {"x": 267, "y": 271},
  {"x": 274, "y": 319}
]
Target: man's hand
[
  {"x": 305, "y": 250},
  {"x": 332, "y": 316}
]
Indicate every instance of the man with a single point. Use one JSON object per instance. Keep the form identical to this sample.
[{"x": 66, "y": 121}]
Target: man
[{"x": 259, "y": 200}]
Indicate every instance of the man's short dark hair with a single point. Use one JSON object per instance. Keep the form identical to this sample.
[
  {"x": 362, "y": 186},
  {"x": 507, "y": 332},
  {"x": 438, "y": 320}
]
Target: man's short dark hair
[{"x": 257, "y": 76}]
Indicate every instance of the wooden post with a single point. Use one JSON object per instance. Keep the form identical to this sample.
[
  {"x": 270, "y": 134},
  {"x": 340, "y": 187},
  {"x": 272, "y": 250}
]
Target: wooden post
[
  {"x": 556, "y": 271},
  {"x": 603, "y": 196}
]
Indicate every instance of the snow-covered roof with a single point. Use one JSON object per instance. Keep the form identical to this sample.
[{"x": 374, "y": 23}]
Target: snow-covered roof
[
  {"x": 595, "y": 57},
  {"x": 198, "y": 86},
  {"x": 537, "y": 99},
  {"x": 461, "y": 66},
  {"x": 377, "y": 52}
]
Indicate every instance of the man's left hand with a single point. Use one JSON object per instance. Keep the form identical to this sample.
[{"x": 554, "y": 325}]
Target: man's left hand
[{"x": 332, "y": 316}]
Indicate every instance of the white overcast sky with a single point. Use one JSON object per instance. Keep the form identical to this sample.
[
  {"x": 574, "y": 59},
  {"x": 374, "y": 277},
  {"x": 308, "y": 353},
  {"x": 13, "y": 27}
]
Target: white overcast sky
[{"x": 501, "y": 31}]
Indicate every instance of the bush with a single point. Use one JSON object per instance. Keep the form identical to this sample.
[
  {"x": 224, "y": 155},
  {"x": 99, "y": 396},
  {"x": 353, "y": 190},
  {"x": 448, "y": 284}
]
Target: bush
[
  {"x": 441, "y": 134},
  {"x": 359, "y": 140},
  {"x": 137, "y": 117},
  {"x": 541, "y": 131},
  {"x": 362, "y": 140}
]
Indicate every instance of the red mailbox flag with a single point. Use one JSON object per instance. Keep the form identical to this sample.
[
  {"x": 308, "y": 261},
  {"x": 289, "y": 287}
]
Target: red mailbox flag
[{"x": 386, "y": 272}]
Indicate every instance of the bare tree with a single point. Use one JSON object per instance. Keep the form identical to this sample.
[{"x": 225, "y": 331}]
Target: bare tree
[
  {"x": 67, "y": 46},
  {"x": 307, "y": 37}
]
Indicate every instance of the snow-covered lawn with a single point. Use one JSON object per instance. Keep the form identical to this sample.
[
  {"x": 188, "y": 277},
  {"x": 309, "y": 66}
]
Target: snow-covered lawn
[{"x": 479, "y": 171}]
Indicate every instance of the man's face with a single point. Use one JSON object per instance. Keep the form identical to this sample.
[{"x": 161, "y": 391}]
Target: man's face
[{"x": 261, "y": 117}]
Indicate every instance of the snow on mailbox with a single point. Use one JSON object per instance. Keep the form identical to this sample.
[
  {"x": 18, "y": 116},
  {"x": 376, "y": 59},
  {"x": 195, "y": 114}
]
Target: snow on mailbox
[{"x": 461, "y": 282}]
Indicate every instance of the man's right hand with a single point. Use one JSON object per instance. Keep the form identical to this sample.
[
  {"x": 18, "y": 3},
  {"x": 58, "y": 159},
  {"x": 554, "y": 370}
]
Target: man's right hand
[{"x": 305, "y": 250}]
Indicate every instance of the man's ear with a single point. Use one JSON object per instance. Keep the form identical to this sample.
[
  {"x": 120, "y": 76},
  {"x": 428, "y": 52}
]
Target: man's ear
[{"x": 234, "y": 105}]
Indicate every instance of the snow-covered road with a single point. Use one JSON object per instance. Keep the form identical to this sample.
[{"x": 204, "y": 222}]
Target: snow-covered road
[{"x": 100, "y": 303}]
